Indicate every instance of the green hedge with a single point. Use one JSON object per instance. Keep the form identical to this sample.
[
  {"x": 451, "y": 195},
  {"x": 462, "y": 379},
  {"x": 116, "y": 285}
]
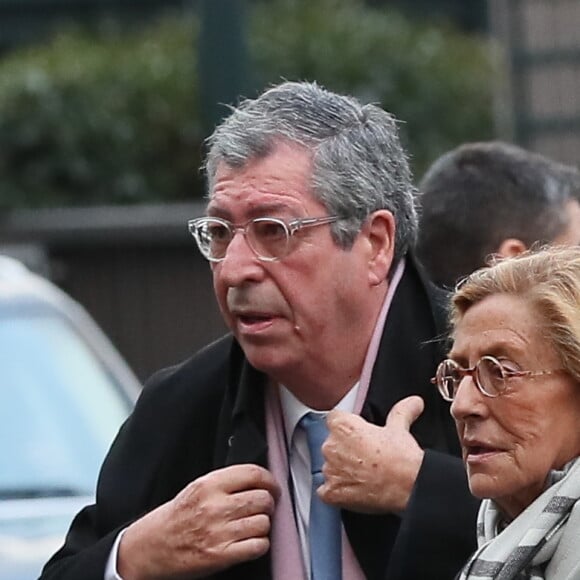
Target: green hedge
[
  {"x": 435, "y": 79},
  {"x": 114, "y": 119}
]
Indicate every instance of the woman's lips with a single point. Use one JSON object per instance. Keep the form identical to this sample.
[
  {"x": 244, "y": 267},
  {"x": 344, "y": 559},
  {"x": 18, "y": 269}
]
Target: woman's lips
[{"x": 476, "y": 451}]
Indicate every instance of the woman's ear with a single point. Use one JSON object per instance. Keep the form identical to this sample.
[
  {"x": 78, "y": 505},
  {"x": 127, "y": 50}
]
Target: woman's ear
[{"x": 380, "y": 231}]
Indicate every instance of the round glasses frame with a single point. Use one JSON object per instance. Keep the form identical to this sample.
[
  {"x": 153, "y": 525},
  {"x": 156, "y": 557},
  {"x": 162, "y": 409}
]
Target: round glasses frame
[
  {"x": 450, "y": 374},
  {"x": 268, "y": 237}
]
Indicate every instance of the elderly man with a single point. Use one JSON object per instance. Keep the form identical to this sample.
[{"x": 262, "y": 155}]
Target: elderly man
[{"x": 310, "y": 217}]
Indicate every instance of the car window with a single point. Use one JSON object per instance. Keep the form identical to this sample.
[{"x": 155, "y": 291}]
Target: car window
[{"x": 59, "y": 409}]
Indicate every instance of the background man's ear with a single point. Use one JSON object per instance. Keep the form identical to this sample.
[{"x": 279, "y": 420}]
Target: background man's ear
[{"x": 511, "y": 247}]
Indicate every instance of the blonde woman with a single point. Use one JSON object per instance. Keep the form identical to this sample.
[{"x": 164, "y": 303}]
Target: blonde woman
[{"x": 513, "y": 380}]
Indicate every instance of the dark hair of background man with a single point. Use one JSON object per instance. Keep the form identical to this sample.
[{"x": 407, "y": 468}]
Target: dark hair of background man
[{"x": 479, "y": 194}]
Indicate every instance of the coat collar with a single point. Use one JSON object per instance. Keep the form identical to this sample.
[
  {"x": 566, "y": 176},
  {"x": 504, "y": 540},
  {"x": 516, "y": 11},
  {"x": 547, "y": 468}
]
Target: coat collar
[
  {"x": 413, "y": 343},
  {"x": 406, "y": 359}
]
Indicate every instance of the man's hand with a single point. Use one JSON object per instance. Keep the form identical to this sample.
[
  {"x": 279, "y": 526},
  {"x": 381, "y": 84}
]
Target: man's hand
[
  {"x": 218, "y": 520},
  {"x": 368, "y": 468}
]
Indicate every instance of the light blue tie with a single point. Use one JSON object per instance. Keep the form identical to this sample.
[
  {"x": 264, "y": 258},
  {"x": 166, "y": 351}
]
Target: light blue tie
[{"x": 325, "y": 522}]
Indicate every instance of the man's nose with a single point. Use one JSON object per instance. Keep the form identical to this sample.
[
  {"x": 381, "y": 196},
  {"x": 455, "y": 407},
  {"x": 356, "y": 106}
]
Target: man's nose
[
  {"x": 240, "y": 263},
  {"x": 238, "y": 243}
]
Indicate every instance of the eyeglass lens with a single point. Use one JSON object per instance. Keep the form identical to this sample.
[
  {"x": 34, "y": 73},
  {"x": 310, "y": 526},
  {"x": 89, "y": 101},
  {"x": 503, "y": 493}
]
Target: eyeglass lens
[
  {"x": 269, "y": 238},
  {"x": 489, "y": 376},
  {"x": 266, "y": 236}
]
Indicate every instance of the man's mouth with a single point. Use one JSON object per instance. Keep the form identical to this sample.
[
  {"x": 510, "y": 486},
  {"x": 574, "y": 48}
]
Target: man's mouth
[
  {"x": 254, "y": 323},
  {"x": 249, "y": 319}
]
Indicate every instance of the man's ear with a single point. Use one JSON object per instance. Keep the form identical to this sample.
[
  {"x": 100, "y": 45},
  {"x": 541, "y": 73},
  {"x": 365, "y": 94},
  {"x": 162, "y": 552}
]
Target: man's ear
[
  {"x": 511, "y": 247},
  {"x": 380, "y": 231}
]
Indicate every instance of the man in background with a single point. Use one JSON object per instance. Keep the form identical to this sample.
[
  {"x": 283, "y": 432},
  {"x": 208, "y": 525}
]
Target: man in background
[{"x": 492, "y": 198}]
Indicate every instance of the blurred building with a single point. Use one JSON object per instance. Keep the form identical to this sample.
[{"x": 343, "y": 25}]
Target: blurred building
[
  {"x": 30, "y": 21},
  {"x": 538, "y": 104},
  {"x": 469, "y": 15}
]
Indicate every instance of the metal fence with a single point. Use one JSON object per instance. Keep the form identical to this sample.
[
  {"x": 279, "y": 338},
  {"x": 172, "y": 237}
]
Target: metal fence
[{"x": 539, "y": 106}]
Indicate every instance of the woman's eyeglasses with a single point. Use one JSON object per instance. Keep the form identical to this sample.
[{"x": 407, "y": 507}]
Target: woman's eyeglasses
[{"x": 489, "y": 374}]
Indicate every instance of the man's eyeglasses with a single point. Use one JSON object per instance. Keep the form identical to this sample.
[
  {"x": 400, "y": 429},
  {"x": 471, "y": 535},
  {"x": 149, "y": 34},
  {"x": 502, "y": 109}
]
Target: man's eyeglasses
[
  {"x": 269, "y": 238},
  {"x": 489, "y": 374}
]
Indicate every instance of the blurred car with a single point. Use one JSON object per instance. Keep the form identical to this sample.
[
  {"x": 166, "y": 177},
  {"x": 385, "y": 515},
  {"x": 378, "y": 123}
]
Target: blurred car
[{"x": 64, "y": 392}]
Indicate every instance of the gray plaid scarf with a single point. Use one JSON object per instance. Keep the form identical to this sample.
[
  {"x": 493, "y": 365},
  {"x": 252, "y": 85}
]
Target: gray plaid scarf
[{"x": 524, "y": 548}]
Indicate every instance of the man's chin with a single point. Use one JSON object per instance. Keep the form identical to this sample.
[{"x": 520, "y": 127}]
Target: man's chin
[{"x": 267, "y": 358}]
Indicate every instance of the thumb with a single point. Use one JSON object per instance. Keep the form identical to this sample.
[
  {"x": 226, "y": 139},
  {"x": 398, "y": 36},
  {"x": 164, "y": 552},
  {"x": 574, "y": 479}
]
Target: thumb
[{"x": 405, "y": 412}]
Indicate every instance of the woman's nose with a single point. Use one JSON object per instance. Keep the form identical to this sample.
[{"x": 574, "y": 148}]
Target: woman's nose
[{"x": 467, "y": 400}]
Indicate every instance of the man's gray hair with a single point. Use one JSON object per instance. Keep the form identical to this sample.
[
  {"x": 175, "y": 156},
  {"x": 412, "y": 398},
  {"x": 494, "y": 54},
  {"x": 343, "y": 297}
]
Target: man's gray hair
[{"x": 359, "y": 164}]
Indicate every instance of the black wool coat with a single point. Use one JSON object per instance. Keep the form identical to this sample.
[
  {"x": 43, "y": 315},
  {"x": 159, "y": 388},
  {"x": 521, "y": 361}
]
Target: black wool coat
[{"x": 208, "y": 412}]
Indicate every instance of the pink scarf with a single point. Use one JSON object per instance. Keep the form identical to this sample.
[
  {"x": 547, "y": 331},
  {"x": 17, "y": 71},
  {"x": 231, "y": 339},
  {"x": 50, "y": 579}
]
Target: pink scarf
[{"x": 287, "y": 561}]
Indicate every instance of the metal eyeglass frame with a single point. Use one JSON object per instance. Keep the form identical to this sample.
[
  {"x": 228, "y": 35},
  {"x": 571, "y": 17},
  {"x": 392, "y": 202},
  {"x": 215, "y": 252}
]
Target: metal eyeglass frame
[{"x": 474, "y": 372}]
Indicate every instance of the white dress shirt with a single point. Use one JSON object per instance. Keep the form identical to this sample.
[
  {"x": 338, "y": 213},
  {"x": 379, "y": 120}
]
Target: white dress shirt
[{"x": 299, "y": 458}]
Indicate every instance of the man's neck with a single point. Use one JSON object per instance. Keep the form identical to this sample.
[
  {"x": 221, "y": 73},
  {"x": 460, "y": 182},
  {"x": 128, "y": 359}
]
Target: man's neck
[{"x": 337, "y": 370}]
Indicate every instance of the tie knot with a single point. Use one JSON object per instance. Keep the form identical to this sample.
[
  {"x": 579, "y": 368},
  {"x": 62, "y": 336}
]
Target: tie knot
[{"x": 314, "y": 425}]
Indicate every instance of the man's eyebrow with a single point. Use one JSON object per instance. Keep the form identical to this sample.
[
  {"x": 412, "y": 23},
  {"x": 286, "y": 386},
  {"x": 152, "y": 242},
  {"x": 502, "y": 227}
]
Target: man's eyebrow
[
  {"x": 269, "y": 208},
  {"x": 216, "y": 211},
  {"x": 261, "y": 210}
]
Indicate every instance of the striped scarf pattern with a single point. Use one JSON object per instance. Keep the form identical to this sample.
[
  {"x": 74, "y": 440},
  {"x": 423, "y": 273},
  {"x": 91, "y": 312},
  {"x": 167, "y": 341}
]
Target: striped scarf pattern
[{"x": 524, "y": 547}]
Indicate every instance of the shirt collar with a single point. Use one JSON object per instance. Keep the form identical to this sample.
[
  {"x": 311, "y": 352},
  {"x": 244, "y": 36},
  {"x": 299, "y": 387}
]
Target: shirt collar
[{"x": 293, "y": 410}]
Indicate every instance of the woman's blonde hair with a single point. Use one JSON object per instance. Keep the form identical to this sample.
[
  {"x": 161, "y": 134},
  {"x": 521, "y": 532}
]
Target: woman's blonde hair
[{"x": 549, "y": 280}]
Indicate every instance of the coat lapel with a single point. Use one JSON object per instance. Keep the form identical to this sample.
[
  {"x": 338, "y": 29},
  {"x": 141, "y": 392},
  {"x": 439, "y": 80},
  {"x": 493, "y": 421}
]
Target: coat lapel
[
  {"x": 241, "y": 434},
  {"x": 413, "y": 344},
  {"x": 241, "y": 426},
  {"x": 406, "y": 361}
]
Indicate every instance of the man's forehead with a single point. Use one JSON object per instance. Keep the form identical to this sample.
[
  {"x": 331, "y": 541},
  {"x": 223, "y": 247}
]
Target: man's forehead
[
  {"x": 253, "y": 210},
  {"x": 281, "y": 178}
]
